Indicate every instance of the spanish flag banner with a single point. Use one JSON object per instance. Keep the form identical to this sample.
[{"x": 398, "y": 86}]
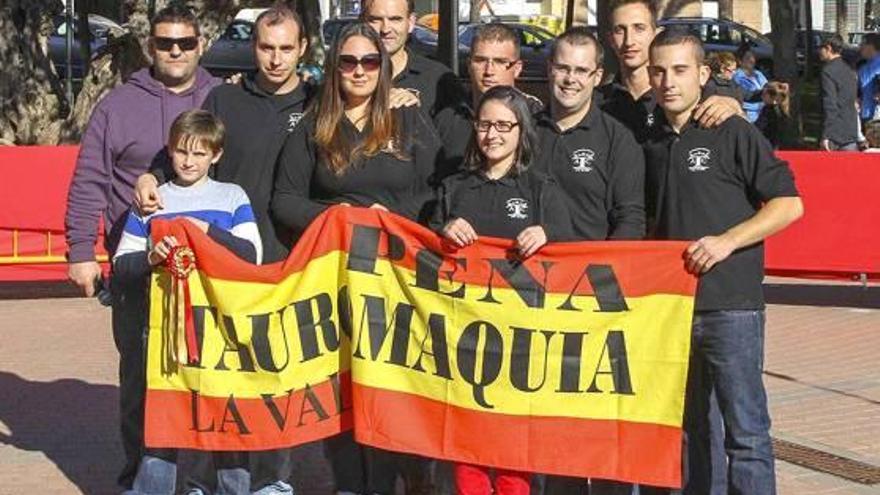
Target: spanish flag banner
[{"x": 572, "y": 362}]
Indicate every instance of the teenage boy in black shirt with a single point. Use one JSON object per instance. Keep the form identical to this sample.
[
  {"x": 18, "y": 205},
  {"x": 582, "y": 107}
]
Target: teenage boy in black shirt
[
  {"x": 629, "y": 98},
  {"x": 431, "y": 82},
  {"x": 593, "y": 157},
  {"x": 724, "y": 189}
]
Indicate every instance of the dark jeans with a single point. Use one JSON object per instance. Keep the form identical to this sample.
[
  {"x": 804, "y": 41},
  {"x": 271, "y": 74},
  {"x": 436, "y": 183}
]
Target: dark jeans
[
  {"x": 361, "y": 469},
  {"x": 128, "y": 321},
  {"x": 853, "y": 146},
  {"x": 727, "y": 357}
]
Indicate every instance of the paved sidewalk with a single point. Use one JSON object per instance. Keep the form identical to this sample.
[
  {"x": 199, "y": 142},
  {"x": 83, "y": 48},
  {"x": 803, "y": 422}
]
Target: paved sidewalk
[{"x": 58, "y": 393}]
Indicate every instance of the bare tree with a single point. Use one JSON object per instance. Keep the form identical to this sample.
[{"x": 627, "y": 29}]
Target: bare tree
[
  {"x": 725, "y": 9},
  {"x": 783, "y": 20},
  {"x": 842, "y": 17},
  {"x": 32, "y": 104}
]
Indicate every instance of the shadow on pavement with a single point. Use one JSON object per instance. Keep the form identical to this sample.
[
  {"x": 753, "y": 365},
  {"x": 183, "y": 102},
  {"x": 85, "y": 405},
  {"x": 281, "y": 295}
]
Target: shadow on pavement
[
  {"x": 72, "y": 422},
  {"x": 846, "y": 296}
]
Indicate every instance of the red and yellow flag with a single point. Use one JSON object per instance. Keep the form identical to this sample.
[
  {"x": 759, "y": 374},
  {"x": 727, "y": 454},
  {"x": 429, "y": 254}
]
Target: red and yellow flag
[{"x": 573, "y": 362}]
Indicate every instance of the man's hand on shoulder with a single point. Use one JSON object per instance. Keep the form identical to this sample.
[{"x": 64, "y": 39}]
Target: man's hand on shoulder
[
  {"x": 714, "y": 110},
  {"x": 146, "y": 195},
  {"x": 84, "y": 275},
  {"x": 401, "y": 97}
]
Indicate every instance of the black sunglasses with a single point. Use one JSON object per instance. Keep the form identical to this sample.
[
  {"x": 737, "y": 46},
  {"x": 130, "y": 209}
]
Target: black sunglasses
[
  {"x": 370, "y": 63},
  {"x": 186, "y": 44}
]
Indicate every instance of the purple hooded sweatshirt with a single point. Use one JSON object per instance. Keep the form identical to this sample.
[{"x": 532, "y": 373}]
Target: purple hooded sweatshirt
[{"x": 127, "y": 132}]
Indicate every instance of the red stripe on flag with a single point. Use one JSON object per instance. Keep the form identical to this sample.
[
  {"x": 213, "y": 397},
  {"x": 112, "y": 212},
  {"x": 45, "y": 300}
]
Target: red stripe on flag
[
  {"x": 644, "y": 453},
  {"x": 641, "y": 267}
]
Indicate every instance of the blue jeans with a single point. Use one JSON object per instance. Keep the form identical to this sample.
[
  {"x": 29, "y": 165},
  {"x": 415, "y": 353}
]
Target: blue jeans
[{"x": 727, "y": 357}]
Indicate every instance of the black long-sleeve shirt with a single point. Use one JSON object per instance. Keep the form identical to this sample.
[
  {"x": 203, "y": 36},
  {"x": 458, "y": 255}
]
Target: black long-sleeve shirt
[
  {"x": 703, "y": 182},
  {"x": 840, "y": 87},
  {"x": 305, "y": 186},
  {"x": 504, "y": 207},
  {"x": 601, "y": 171}
]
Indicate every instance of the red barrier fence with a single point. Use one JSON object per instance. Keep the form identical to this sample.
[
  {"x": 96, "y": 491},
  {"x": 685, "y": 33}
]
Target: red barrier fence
[{"x": 838, "y": 236}]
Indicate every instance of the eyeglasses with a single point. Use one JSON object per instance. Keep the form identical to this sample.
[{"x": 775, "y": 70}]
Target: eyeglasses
[
  {"x": 502, "y": 126},
  {"x": 494, "y": 62},
  {"x": 370, "y": 62},
  {"x": 186, "y": 44},
  {"x": 576, "y": 72}
]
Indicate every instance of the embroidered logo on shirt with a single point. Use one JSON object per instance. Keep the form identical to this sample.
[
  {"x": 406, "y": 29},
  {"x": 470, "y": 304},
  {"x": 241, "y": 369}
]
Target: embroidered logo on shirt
[
  {"x": 649, "y": 120},
  {"x": 582, "y": 160},
  {"x": 292, "y": 120},
  {"x": 517, "y": 207},
  {"x": 699, "y": 159}
]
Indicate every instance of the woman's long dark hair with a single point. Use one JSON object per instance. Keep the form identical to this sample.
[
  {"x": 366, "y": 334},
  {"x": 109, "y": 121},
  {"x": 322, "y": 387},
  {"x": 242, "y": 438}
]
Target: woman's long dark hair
[
  {"x": 385, "y": 135},
  {"x": 514, "y": 100}
]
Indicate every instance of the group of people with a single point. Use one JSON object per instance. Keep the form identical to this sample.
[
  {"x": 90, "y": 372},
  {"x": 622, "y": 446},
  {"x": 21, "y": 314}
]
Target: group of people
[{"x": 654, "y": 154}]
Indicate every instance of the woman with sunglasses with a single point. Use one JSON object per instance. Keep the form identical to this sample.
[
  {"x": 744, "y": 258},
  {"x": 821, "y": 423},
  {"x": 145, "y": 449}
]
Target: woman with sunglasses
[
  {"x": 351, "y": 149},
  {"x": 497, "y": 195}
]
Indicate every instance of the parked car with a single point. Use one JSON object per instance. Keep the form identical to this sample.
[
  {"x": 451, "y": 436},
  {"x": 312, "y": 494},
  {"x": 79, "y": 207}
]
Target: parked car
[
  {"x": 723, "y": 35},
  {"x": 232, "y": 52},
  {"x": 99, "y": 29}
]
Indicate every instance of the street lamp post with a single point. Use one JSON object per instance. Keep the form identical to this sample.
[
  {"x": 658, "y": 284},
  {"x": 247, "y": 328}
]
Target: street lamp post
[
  {"x": 447, "y": 40},
  {"x": 68, "y": 43}
]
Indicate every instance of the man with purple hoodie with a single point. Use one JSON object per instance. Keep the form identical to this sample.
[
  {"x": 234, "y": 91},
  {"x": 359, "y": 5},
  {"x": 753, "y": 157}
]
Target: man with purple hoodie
[{"x": 127, "y": 133}]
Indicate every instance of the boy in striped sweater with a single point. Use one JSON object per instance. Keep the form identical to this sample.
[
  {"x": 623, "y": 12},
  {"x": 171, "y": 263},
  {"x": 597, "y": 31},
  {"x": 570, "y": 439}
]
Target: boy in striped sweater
[{"x": 222, "y": 211}]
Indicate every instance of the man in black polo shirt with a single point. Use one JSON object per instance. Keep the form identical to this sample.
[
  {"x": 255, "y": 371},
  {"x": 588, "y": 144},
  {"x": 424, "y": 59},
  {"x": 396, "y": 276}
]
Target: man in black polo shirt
[
  {"x": 725, "y": 190},
  {"x": 494, "y": 61},
  {"x": 593, "y": 157},
  {"x": 629, "y": 98},
  {"x": 432, "y": 82}
]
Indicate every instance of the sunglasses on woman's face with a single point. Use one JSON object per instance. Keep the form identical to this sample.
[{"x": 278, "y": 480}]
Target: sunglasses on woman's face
[
  {"x": 370, "y": 62},
  {"x": 186, "y": 44}
]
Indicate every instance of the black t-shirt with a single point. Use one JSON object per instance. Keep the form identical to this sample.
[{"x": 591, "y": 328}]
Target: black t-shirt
[
  {"x": 434, "y": 84},
  {"x": 705, "y": 181},
  {"x": 257, "y": 123},
  {"x": 601, "y": 170},
  {"x": 637, "y": 114},
  {"x": 305, "y": 186},
  {"x": 504, "y": 207}
]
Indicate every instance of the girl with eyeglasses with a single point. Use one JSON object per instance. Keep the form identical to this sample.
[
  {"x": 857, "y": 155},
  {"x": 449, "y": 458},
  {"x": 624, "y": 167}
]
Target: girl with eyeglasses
[
  {"x": 497, "y": 195},
  {"x": 351, "y": 149}
]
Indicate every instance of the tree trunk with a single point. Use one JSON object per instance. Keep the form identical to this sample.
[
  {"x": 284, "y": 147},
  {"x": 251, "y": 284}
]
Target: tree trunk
[
  {"x": 783, "y": 21},
  {"x": 725, "y": 9},
  {"x": 842, "y": 17},
  {"x": 30, "y": 93},
  {"x": 476, "y": 7}
]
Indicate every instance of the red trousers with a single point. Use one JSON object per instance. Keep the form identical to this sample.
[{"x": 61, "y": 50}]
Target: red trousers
[{"x": 475, "y": 480}]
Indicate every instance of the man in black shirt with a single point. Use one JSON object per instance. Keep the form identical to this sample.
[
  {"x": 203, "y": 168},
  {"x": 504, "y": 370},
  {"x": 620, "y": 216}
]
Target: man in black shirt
[
  {"x": 494, "y": 61},
  {"x": 431, "y": 82},
  {"x": 725, "y": 190},
  {"x": 593, "y": 157},
  {"x": 258, "y": 114},
  {"x": 840, "y": 87},
  {"x": 629, "y": 98}
]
